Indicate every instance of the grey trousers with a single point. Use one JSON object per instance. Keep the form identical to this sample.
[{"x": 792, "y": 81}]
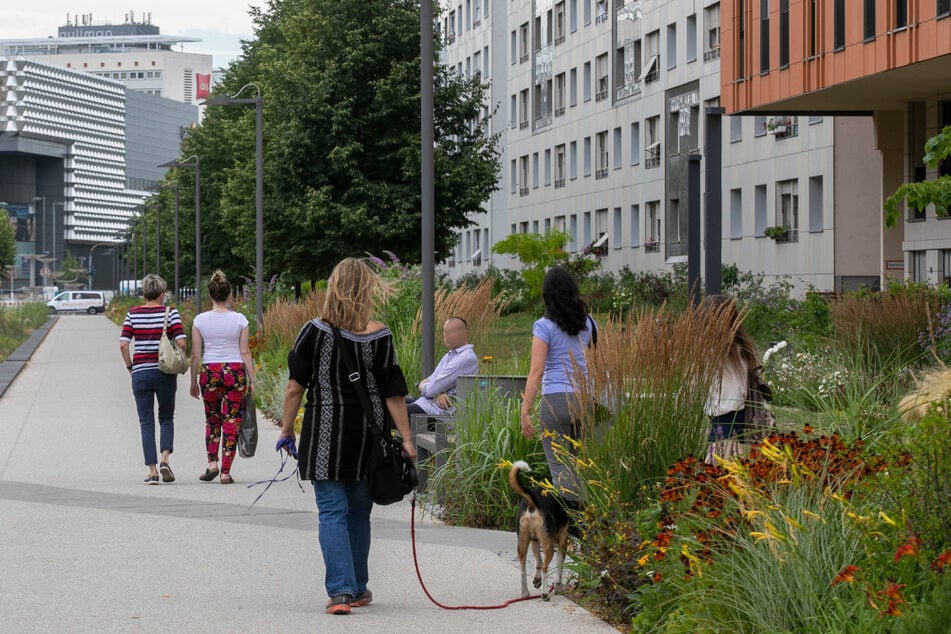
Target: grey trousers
[{"x": 555, "y": 416}]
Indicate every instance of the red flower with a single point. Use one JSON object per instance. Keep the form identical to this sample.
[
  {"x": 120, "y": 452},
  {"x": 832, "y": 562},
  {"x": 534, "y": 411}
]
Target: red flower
[
  {"x": 942, "y": 561},
  {"x": 847, "y": 575},
  {"x": 892, "y": 609},
  {"x": 807, "y": 429},
  {"x": 893, "y": 592},
  {"x": 910, "y": 547}
]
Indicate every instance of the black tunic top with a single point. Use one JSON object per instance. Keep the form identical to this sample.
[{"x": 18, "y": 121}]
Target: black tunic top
[{"x": 334, "y": 437}]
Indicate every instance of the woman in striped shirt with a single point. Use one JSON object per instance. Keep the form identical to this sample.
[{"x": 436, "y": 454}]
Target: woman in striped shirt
[{"x": 144, "y": 325}]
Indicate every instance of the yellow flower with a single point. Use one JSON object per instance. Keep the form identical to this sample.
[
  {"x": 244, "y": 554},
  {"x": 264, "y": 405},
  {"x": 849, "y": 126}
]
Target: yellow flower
[
  {"x": 810, "y": 514},
  {"x": 882, "y": 515},
  {"x": 643, "y": 561}
]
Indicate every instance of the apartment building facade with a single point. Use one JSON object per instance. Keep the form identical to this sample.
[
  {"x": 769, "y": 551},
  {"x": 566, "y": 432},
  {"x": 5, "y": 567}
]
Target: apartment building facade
[
  {"x": 888, "y": 61},
  {"x": 603, "y": 102}
]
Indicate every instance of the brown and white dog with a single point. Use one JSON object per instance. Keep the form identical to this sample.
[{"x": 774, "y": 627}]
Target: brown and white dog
[{"x": 541, "y": 521}]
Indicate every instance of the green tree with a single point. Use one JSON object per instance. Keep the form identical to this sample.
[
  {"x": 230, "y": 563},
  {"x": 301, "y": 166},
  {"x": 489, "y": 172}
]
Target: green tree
[
  {"x": 8, "y": 245},
  {"x": 537, "y": 253},
  {"x": 935, "y": 192},
  {"x": 70, "y": 271},
  {"x": 340, "y": 82}
]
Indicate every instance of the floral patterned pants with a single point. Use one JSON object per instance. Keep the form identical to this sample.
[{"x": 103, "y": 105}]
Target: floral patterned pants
[{"x": 223, "y": 387}]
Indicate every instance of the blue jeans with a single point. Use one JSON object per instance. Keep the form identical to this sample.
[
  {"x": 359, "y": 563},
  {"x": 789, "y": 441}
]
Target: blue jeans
[
  {"x": 147, "y": 386},
  {"x": 343, "y": 516}
]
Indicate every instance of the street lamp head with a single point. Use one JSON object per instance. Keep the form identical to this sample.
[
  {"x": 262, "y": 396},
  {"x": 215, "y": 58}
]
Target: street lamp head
[
  {"x": 224, "y": 100},
  {"x": 189, "y": 161}
]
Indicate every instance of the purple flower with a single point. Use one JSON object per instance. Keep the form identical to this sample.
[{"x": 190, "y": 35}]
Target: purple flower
[{"x": 378, "y": 262}]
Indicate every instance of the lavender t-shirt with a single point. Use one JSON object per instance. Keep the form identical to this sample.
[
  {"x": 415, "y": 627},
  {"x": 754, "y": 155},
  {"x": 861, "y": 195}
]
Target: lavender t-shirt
[{"x": 564, "y": 351}]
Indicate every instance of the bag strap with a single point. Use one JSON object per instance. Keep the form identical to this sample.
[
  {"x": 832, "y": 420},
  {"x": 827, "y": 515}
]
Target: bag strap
[
  {"x": 355, "y": 379},
  {"x": 168, "y": 309},
  {"x": 593, "y": 343}
]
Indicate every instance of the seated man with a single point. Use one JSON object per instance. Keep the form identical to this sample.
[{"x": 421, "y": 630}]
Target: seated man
[{"x": 437, "y": 389}]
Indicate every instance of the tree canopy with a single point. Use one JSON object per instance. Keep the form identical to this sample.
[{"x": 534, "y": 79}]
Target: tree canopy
[
  {"x": 8, "y": 245},
  {"x": 340, "y": 83}
]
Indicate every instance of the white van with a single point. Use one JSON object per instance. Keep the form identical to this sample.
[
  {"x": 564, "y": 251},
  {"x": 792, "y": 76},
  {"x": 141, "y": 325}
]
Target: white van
[{"x": 91, "y": 302}]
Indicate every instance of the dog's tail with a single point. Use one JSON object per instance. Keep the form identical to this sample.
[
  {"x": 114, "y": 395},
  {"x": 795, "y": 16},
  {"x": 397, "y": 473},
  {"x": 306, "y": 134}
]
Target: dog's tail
[{"x": 521, "y": 465}]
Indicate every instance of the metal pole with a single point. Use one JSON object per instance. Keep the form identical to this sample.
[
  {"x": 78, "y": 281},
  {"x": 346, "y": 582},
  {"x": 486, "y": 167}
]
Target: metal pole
[
  {"x": 259, "y": 209},
  {"x": 176, "y": 242},
  {"x": 158, "y": 236},
  {"x": 693, "y": 228},
  {"x": 144, "y": 249},
  {"x": 197, "y": 236},
  {"x": 427, "y": 195},
  {"x": 135, "y": 253},
  {"x": 714, "y": 240}
]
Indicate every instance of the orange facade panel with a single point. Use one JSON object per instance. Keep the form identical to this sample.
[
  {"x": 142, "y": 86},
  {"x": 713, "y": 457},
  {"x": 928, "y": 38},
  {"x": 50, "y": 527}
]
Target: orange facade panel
[{"x": 832, "y": 66}]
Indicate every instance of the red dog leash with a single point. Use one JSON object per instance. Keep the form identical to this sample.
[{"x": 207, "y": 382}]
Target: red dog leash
[{"x": 412, "y": 530}]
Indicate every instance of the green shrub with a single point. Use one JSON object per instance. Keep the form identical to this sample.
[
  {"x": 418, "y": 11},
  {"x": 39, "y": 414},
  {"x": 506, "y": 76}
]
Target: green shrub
[{"x": 16, "y": 324}]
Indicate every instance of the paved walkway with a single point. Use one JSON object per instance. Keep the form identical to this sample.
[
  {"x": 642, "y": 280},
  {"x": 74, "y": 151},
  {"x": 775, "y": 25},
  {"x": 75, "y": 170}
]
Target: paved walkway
[{"x": 85, "y": 546}]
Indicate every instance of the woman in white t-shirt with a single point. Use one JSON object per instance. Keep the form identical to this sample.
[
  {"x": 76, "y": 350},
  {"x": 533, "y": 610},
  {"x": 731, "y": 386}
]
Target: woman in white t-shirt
[
  {"x": 726, "y": 401},
  {"x": 227, "y": 375}
]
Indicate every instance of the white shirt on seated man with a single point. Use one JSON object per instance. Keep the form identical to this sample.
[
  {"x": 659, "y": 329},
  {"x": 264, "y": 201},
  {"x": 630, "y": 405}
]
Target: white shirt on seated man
[{"x": 436, "y": 391}]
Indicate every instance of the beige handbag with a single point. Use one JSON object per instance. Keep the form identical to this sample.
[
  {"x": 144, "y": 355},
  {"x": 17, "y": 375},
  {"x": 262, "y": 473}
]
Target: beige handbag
[{"x": 171, "y": 358}]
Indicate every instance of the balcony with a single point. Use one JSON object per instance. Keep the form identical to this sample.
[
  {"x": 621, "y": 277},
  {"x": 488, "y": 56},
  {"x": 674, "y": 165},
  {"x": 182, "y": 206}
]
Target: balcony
[
  {"x": 652, "y": 76},
  {"x": 559, "y": 111},
  {"x": 601, "y": 173},
  {"x": 476, "y": 23},
  {"x": 522, "y": 125},
  {"x": 782, "y": 234},
  {"x": 559, "y": 40},
  {"x": 601, "y": 95},
  {"x": 559, "y": 183},
  {"x": 630, "y": 90},
  {"x": 652, "y": 156},
  {"x": 450, "y": 37},
  {"x": 712, "y": 54},
  {"x": 523, "y": 58},
  {"x": 543, "y": 121},
  {"x": 523, "y": 191},
  {"x": 652, "y": 246}
]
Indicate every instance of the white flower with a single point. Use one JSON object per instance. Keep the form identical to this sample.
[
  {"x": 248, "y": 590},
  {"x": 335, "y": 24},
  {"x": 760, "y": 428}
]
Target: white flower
[{"x": 779, "y": 346}]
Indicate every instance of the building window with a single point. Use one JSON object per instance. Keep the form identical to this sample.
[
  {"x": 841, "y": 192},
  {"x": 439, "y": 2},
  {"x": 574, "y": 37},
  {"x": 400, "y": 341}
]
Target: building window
[
  {"x": 671, "y": 46},
  {"x": 736, "y": 129},
  {"x": 617, "y": 149},
  {"x": 838, "y": 25},
  {"x": 523, "y": 176},
  {"x": 916, "y": 214},
  {"x": 523, "y": 43},
  {"x": 573, "y": 15},
  {"x": 513, "y": 112},
  {"x": 586, "y": 80},
  {"x": 534, "y": 170},
  {"x": 787, "y": 208},
  {"x": 559, "y": 22},
  {"x": 626, "y": 69},
  {"x": 560, "y": 223},
  {"x": 759, "y": 125},
  {"x": 586, "y": 158},
  {"x": 946, "y": 267},
  {"x": 869, "y": 30},
  {"x": 711, "y": 27},
  {"x": 573, "y": 160},
  {"x": 559, "y": 166},
  {"x": 635, "y": 143},
  {"x": 573, "y": 233},
  {"x": 944, "y": 7},
  {"x": 692, "y": 37},
  {"x": 741, "y": 38},
  {"x": 601, "y": 11},
  {"x": 586, "y": 228},
  {"x": 736, "y": 214},
  {"x": 813, "y": 17},
  {"x": 587, "y": 12},
  {"x": 635, "y": 225},
  {"x": 601, "y": 71},
  {"x": 547, "y": 167},
  {"x": 783, "y": 33},
  {"x": 523, "y": 109},
  {"x": 601, "y": 150},
  {"x": 559, "y": 94},
  {"x": 618, "y": 227},
  {"x": 815, "y": 204},
  {"x": 513, "y": 177},
  {"x": 653, "y": 226},
  {"x": 764, "y": 36},
  {"x": 760, "y": 211},
  {"x": 652, "y": 66},
  {"x": 652, "y": 149},
  {"x": 514, "y": 45},
  {"x": 573, "y": 87},
  {"x": 901, "y": 14}
]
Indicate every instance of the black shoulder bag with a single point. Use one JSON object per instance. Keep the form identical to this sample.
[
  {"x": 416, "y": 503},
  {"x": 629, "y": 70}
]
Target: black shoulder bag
[{"x": 391, "y": 475}]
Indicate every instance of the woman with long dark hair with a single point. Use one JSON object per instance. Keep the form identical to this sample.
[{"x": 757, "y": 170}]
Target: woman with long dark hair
[
  {"x": 559, "y": 341},
  {"x": 729, "y": 391}
]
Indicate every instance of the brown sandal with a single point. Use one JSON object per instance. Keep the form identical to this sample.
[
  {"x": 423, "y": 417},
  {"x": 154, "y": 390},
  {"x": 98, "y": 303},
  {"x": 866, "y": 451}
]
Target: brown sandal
[{"x": 226, "y": 479}]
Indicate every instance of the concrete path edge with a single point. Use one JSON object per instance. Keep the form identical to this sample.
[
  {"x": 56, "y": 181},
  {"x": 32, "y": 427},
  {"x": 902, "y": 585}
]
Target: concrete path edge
[{"x": 11, "y": 367}]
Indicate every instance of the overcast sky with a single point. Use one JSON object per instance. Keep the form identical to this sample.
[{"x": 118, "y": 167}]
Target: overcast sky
[{"x": 221, "y": 24}]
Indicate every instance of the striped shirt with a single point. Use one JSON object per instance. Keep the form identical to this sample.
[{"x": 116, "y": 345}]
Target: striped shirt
[{"x": 144, "y": 325}]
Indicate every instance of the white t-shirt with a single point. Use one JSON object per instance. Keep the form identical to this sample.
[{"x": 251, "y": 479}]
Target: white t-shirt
[
  {"x": 221, "y": 333},
  {"x": 729, "y": 391}
]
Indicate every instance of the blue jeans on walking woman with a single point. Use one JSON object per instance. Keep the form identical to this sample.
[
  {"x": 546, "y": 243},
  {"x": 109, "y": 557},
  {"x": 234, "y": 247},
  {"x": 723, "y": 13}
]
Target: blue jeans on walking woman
[
  {"x": 343, "y": 516},
  {"x": 147, "y": 387}
]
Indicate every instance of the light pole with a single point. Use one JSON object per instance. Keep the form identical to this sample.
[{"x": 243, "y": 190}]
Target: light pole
[
  {"x": 43, "y": 198},
  {"x": 157, "y": 205},
  {"x": 89, "y": 270},
  {"x": 194, "y": 163},
  {"x": 174, "y": 185},
  {"x": 258, "y": 102},
  {"x": 427, "y": 193}
]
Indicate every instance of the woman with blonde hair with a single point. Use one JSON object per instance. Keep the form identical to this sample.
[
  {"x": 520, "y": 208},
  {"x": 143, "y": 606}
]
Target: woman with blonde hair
[
  {"x": 729, "y": 391},
  {"x": 144, "y": 325},
  {"x": 334, "y": 445},
  {"x": 227, "y": 375}
]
